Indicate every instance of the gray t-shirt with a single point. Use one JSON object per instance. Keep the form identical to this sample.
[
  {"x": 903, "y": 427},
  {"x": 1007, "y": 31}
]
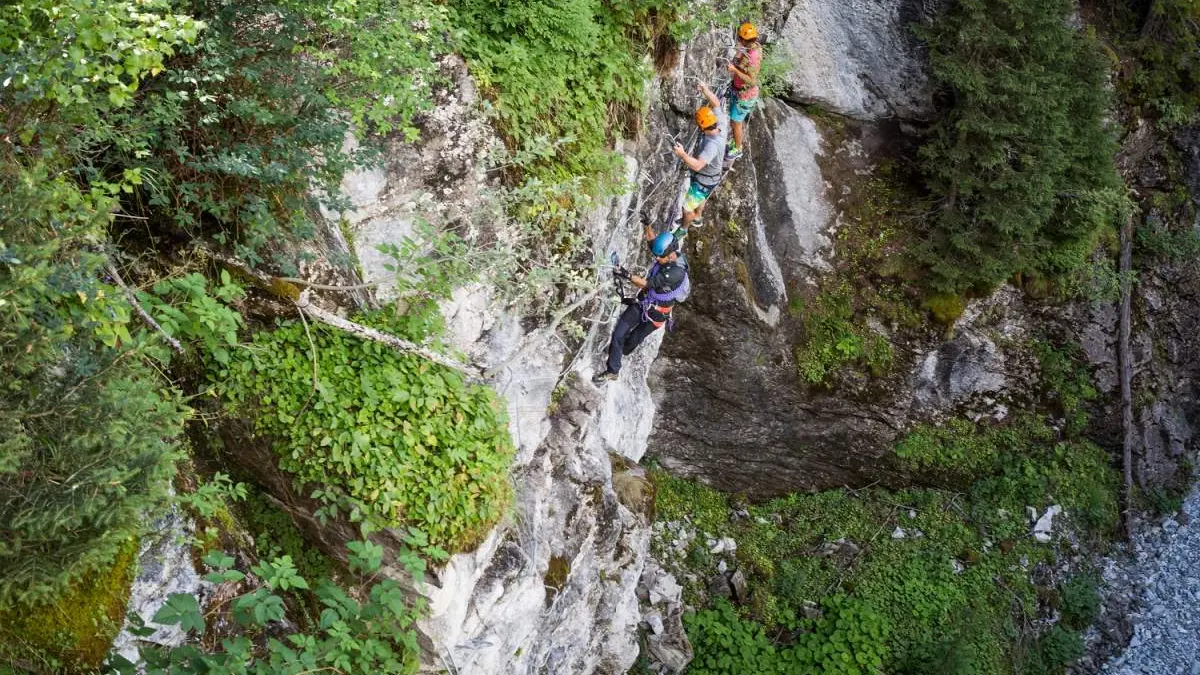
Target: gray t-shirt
[{"x": 711, "y": 151}]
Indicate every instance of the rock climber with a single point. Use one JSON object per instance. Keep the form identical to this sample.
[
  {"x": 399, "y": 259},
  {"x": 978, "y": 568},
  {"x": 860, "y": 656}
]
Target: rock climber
[
  {"x": 706, "y": 164},
  {"x": 743, "y": 94},
  {"x": 665, "y": 284}
]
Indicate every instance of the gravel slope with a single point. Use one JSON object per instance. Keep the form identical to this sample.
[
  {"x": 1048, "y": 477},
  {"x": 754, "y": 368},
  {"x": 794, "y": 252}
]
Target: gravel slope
[{"x": 1166, "y": 618}]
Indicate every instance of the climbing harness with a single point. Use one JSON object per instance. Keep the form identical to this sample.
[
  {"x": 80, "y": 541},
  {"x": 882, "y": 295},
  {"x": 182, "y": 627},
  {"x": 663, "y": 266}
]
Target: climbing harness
[{"x": 653, "y": 300}]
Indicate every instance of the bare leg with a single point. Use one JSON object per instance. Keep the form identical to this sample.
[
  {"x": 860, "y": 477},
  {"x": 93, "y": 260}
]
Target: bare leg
[
  {"x": 689, "y": 216},
  {"x": 737, "y": 134}
]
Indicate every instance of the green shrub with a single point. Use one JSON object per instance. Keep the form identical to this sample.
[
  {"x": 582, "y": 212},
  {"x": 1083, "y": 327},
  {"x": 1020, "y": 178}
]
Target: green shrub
[
  {"x": 369, "y": 631},
  {"x": 1052, "y": 652},
  {"x": 384, "y": 436},
  {"x": 1080, "y": 601},
  {"x": 1067, "y": 382},
  {"x": 1021, "y": 160},
  {"x": 835, "y": 337}
]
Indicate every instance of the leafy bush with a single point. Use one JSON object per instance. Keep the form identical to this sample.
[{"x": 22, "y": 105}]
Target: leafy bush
[
  {"x": 371, "y": 633},
  {"x": 848, "y": 638},
  {"x": 186, "y": 311},
  {"x": 562, "y": 70},
  {"x": 387, "y": 437},
  {"x": 1021, "y": 160},
  {"x": 834, "y": 337},
  {"x": 1080, "y": 601}
]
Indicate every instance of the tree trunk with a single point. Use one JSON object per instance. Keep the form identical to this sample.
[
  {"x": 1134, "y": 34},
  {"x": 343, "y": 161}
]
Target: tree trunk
[{"x": 1126, "y": 364}]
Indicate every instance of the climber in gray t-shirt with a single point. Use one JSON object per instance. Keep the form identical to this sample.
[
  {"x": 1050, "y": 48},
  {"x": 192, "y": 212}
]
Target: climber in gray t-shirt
[{"x": 710, "y": 156}]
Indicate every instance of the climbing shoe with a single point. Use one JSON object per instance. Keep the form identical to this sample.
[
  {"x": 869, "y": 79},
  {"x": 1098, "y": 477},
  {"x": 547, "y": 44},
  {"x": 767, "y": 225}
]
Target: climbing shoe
[
  {"x": 733, "y": 154},
  {"x": 699, "y": 222},
  {"x": 604, "y": 376}
]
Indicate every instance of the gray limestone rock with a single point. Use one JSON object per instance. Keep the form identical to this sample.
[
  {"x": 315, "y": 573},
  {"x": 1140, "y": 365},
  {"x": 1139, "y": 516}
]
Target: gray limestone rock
[{"x": 859, "y": 58}]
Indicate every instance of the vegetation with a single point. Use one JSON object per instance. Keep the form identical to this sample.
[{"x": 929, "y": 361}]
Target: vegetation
[
  {"x": 1021, "y": 162},
  {"x": 370, "y": 634},
  {"x": 383, "y": 437},
  {"x": 849, "y": 638},
  {"x": 71, "y": 631},
  {"x": 835, "y": 337},
  {"x": 1161, "y": 77},
  {"x": 952, "y": 590},
  {"x": 564, "y": 76}
]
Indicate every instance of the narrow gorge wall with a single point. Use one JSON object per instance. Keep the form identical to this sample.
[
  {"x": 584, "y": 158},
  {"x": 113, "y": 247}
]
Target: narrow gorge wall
[{"x": 555, "y": 588}]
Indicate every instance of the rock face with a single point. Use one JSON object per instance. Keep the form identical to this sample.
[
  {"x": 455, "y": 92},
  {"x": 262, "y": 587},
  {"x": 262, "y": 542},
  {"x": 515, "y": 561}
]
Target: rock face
[
  {"x": 165, "y": 567},
  {"x": 555, "y": 589},
  {"x": 858, "y": 58}
]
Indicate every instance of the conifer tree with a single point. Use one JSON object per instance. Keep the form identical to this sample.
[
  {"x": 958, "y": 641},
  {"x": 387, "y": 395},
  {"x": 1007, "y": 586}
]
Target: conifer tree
[{"x": 1021, "y": 160}]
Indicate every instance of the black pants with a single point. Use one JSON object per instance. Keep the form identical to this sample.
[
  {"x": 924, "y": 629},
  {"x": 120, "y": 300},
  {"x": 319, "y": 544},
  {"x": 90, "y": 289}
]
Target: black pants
[{"x": 626, "y": 337}]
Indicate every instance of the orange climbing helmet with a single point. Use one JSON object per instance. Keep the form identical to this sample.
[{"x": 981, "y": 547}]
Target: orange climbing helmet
[
  {"x": 706, "y": 118},
  {"x": 747, "y": 31}
]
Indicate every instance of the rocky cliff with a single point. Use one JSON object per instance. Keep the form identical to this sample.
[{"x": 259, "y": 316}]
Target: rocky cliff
[{"x": 563, "y": 584}]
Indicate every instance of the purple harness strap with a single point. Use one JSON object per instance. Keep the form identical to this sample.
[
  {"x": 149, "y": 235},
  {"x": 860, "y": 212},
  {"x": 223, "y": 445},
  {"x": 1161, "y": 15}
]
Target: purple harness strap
[{"x": 653, "y": 297}]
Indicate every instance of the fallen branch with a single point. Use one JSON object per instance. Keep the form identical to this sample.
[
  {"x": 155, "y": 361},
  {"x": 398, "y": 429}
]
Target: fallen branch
[
  {"x": 331, "y": 319},
  {"x": 286, "y": 290},
  {"x": 325, "y": 287},
  {"x": 1124, "y": 357},
  {"x": 534, "y": 338},
  {"x": 137, "y": 307}
]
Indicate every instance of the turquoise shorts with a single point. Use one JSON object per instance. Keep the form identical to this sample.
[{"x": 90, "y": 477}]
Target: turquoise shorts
[
  {"x": 696, "y": 195},
  {"x": 740, "y": 109}
]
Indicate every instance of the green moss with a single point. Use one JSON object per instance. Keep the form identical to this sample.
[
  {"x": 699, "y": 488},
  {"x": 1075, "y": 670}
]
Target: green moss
[
  {"x": 681, "y": 499},
  {"x": 556, "y": 577},
  {"x": 945, "y": 308},
  {"x": 73, "y": 632}
]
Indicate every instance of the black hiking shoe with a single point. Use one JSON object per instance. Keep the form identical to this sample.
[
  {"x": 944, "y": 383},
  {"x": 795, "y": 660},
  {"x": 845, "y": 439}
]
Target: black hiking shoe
[{"x": 604, "y": 376}]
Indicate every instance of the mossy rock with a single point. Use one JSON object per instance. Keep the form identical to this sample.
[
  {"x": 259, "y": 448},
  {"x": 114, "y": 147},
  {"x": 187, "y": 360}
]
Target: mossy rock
[
  {"x": 634, "y": 488},
  {"x": 556, "y": 577},
  {"x": 946, "y": 308},
  {"x": 73, "y": 632}
]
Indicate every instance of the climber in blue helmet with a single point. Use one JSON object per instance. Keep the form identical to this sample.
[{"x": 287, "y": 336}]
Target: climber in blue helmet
[{"x": 665, "y": 284}]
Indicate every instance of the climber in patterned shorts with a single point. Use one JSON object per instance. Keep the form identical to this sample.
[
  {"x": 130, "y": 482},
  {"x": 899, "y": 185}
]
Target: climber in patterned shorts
[
  {"x": 707, "y": 163},
  {"x": 743, "y": 94}
]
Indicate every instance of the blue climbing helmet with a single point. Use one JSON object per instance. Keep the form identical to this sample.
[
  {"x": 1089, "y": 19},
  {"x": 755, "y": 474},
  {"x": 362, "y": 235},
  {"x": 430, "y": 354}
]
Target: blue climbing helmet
[{"x": 664, "y": 244}]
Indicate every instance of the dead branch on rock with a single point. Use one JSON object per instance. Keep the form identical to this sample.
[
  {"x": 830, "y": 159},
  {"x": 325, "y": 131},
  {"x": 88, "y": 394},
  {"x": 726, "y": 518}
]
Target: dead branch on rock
[
  {"x": 284, "y": 289},
  {"x": 326, "y": 287},
  {"x": 137, "y": 306},
  {"x": 330, "y": 319}
]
